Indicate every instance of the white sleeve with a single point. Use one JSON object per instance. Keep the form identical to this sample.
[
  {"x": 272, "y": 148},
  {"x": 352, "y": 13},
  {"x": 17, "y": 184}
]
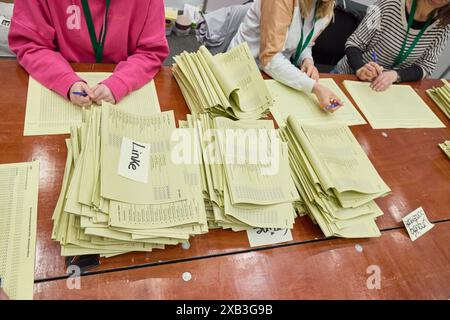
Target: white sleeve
[
  {"x": 282, "y": 70},
  {"x": 306, "y": 54}
]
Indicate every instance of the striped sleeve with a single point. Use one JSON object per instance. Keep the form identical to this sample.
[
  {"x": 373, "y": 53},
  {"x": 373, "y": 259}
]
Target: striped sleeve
[
  {"x": 429, "y": 59},
  {"x": 368, "y": 27}
]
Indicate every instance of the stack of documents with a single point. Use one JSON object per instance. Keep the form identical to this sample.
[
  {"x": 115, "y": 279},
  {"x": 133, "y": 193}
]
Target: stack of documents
[
  {"x": 49, "y": 113},
  {"x": 245, "y": 173},
  {"x": 18, "y": 218},
  {"x": 441, "y": 96},
  {"x": 336, "y": 180},
  {"x": 227, "y": 84},
  {"x": 121, "y": 190},
  {"x": 445, "y": 146}
]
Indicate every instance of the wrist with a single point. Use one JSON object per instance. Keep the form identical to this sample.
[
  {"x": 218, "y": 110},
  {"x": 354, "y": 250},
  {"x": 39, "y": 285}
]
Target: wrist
[{"x": 316, "y": 88}]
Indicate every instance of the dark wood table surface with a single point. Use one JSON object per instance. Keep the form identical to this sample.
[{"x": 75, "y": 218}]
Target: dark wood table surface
[{"x": 222, "y": 263}]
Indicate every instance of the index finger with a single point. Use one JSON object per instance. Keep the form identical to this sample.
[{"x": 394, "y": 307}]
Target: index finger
[{"x": 88, "y": 90}]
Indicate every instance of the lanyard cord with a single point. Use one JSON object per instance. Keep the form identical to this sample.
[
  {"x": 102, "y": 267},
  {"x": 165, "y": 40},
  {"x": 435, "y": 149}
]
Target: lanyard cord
[
  {"x": 303, "y": 44},
  {"x": 404, "y": 54},
  {"x": 97, "y": 44}
]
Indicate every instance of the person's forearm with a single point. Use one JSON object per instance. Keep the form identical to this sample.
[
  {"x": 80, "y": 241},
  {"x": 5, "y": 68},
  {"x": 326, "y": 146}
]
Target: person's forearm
[
  {"x": 137, "y": 70},
  {"x": 40, "y": 58},
  {"x": 354, "y": 57},
  {"x": 282, "y": 70},
  {"x": 412, "y": 73}
]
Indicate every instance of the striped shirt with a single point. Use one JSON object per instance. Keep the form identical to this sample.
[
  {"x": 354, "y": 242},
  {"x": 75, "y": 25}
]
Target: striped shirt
[{"x": 383, "y": 30}]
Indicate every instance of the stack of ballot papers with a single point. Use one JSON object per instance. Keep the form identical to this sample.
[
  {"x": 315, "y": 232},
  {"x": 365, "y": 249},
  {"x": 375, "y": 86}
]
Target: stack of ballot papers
[
  {"x": 121, "y": 190},
  {"x": 441, "y": 95},
  {"x": 336, "y": 180},
  {"x": 227, "y": 84},
  {"x": 49, "y": 113},
  {"x": 245, "y": 173},
  {"x": 19, "y": 187},
  {"x": 445, "y": 146}
]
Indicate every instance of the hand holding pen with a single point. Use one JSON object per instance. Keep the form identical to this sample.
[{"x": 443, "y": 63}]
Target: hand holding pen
[
  {"x": 328, "y": 100},
  {"x": 81, "y": 95}
]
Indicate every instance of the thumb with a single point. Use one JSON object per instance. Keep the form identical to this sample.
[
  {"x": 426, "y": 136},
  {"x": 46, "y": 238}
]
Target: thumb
[{"x": 88, "y": 90}]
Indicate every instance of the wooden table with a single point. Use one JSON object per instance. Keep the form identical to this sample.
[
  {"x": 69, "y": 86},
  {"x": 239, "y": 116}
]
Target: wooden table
[{"x": 221, "y": 262}]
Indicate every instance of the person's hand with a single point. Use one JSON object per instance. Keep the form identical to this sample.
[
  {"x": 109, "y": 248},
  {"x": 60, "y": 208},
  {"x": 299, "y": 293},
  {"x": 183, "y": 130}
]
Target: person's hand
[
  {"x": 3, "y": 295},
  {"x": 369, "y": 71},
  {"x": 309, "y": 68},
  {"x": 76, "y": 98},
  {"x": 328, "y": 100},
  {"x": 384, "y": 81},
  {"x": 103, "y": 93}
]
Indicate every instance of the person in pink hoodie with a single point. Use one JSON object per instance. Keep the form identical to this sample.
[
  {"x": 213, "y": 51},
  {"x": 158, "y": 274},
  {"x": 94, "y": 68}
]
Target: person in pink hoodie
[{"x": 48, "y": 34}]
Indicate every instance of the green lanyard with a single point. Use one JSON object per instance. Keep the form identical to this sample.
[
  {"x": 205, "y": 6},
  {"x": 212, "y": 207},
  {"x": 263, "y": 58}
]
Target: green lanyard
[
  {"x": 97, "y": 44},
  {"x": 302, "y": 45},
  {"x": 404, "y": 54}
]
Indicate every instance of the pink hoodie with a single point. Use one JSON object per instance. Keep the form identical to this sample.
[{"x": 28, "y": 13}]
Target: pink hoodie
[{"x": 46, "y": 34}]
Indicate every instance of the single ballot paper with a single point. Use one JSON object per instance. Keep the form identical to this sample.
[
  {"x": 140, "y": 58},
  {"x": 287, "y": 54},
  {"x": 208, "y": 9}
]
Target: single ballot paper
[
  {"x": 417, "y": 223},
  {"x": 134, "y": 160},
  {"x": 265, "y": 236}
]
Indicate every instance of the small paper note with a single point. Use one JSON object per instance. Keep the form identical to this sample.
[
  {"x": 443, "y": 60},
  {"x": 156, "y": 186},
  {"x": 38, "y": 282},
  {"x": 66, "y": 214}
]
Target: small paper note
[
  {"x": 417, "y": 223},
  {"x": 264, "y": 236},
  {"x": 134, "y": 160}
]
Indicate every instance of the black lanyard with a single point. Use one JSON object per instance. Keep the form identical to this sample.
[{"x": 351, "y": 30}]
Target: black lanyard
[
  {"x": 97, "y": 44},
  {"x": 302, "y": 44},
  {"x": 403, "y": 54}
]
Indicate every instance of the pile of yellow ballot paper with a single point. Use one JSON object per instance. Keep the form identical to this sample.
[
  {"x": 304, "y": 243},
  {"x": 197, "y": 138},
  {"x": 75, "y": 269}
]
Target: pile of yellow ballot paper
[
  {"x": 336, "y": 180},
  {"x": 121, "y": 190},
  {"x": 445, "y": 146},
  {"x": 227, "y": 84},
  {"x": 441, "y": 95},
  {"x": 245, "y": 173}
]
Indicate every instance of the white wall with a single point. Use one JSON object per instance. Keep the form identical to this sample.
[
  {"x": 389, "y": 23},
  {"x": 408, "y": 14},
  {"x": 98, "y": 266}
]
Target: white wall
[
  {"x": 180, "y": 3},
  {"x": 217, "y": 4},
  {"x": 211, "y": 4}
]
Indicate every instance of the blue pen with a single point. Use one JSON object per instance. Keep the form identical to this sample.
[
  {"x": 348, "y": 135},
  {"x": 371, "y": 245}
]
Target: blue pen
[
  {"x": 332, "y": 106},
  {"x": 83, "y": 94},
  {"x": 374, "y": 56}
]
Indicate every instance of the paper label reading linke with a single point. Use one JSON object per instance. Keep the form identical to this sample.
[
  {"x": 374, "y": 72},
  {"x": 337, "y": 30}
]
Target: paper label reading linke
[{"x": 134, "y": 160}]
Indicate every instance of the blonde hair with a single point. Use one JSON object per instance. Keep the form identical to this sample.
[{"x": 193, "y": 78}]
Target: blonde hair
[{"x": 324, "y": 9}]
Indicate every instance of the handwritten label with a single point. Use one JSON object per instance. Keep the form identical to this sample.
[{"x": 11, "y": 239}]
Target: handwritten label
[
  {"x": 265, "y": 236},
  {"x": 134, "y": 160},
  {"x": 417, "y": 223}
]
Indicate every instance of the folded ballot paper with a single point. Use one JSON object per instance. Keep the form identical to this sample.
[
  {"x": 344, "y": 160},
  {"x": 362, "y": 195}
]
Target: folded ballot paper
[
  {"x": 337, "y": 182},
  {"x": 441, "y": 95},
  {"x": 445, "y": 146},
  {"x": 227, "y": 84},
  {"x": 246, "y": 179},
  {"x": 121, "y": 190}
]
